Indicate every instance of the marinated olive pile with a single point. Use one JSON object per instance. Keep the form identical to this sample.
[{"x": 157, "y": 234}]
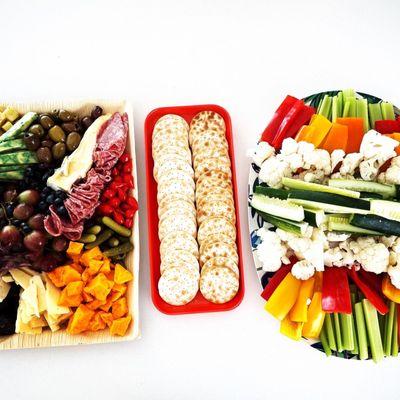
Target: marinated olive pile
[{"x": 58, "y": 134}]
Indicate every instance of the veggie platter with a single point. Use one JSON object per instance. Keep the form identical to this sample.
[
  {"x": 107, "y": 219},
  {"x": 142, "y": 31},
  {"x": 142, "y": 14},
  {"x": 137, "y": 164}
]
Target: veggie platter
[
  {"x": 324, "y": 218},
  {"x": 69, "y": 232}
]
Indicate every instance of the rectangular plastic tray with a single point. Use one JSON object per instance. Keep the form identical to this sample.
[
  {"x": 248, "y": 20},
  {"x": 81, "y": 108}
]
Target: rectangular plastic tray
[{"x": 199, "y": 304}]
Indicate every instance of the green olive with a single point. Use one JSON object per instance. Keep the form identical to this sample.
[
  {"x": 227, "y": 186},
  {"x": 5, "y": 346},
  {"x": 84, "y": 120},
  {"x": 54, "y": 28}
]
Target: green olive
[
  {"x": 37, "y": 130},
  {"x": 44, "y": 154},
  {"x": 65, "y": 115},
  {"x": 58, "y": 150},
  {"x": 32, "y": 142},
  {"x": 46, "y": 121},
  {"x": 73, "y": 140},
  {"x": 71, "y": 126},
  {"x": 57, "y": 134}
]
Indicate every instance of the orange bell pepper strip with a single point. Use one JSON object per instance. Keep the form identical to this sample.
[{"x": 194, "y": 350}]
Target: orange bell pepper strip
[
  {"x": 390, "y": 291},
  {"x": 322, "y": 126},
  {"x": 298, "y": 313},
  {"x": 315, "y": 317},
  {"x": 395, "y": 136},
  {"x": 284, "y": 297},
  {"x": 291, "y": 329},
  {"x": 356, "y": 133},
  {"x": 305, "y": 132},
  {"x": 336, "y": 138}
]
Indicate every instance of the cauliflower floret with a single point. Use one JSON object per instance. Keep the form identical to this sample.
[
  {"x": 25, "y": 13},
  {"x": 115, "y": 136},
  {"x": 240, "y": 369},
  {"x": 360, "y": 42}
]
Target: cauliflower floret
[
  {"x": 303, "y": 270},
  {"x": 273, "y": 170},
  {"x": 316, "y": 176},
  {"x": 392, "y": 174},
  {"x": 388, "y": 241},
  {"x": 294, "y": 160},
  {"x": 377, "y": 146},
  {"x": 315, "y": 255},
  {"x": 289, "y": 146},
  {"x": 394, "y": 274},
  {"x": 319, "y": 235},
  {"x": 319, "y": 159},
  {"x": 338, "y": 175},
  {"x": 337, "y": 156},
  {"x": 350, "y": 163},
  {"x": 337, "y": 237},
  {"x": 262, "y": 152},
  {"x": 369, "y": 169},
  {"x": 305, "y": 149},
  {"x": 333, "y": 257},
  {"x": 396, "y": 245},
  {"x": 373, "y": 257},
  {"x": 284, "y": 235},
  {"x": 271, "y": 250}
]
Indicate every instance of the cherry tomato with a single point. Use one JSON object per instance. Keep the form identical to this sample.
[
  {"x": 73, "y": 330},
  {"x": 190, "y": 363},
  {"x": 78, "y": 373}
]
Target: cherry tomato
[
  {"x": 118, "y": 218},
  {"x": 114, "y": 202},
  {"x": 118, "y": 179},
  {"x": 109, "y": 194},
  {"x": 128, "y": 180},
  {"x": 113, "y": 186},
  {"x": 127, "y": 168},
  {"x": 115, "y": 171},
  {"x": 132, "y": 202},
  {"x": 130, "y": 213},
  {"x": 121, "y": 194},
  {"x": 125, "y": 158},
  {"x": 124, "y": 206},
  {"x": 128, "y": 222},
  {"x": 105, "y": 209}
]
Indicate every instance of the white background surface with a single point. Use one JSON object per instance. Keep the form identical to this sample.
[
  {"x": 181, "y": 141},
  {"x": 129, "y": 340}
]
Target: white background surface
[{"x": 246, "y": 56}]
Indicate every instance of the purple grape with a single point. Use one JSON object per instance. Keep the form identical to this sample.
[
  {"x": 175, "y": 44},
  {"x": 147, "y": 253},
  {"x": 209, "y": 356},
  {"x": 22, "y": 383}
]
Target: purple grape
[
  {"x": 10, "y": 235},
  {"x": 36, "y": 222},
  {"x": 35, "y": 241},
  {"x": 23, "y": 211},
  {"x": 59, "y": 244},
  {"x": 30, "y": 197}
]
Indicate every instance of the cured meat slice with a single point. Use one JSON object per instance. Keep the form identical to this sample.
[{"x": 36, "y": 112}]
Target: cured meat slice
[{"x": 57, "y": 226}]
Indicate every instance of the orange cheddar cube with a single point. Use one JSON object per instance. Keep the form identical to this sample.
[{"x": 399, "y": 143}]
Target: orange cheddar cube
[
  {"x": 80, "y": 321},
  {"x": 61, "y": 276},
  {"x": 99, "y": 287},
  {"x": 107, "y": 305},
  {"x": 94, "y": 266},
  {"x": 95, "y": 304},
  {"x": 87, "y": 297},
  {"x": 92, "y": 254},
  {"x": 106, "y": 267},
  {"x": 97, "y": 323},
  {"x": 120, "y": 308},
  {"x": 74, "y": 248},
  {"x": 121, "y": 274},
  {"x": 120, "y": 326},
  {"x": 71, "y": 295},
  {"x": 106, "y": 317}
]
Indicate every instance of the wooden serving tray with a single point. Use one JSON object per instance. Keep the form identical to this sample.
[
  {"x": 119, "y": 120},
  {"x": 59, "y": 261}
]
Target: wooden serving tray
[{"x": 61, "y": 338}]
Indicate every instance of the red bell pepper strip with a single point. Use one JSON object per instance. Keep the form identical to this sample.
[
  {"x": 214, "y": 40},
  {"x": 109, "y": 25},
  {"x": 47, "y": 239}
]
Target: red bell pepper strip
[
  {"x": 270, "y": 131},
  {"x": 374, "y": 281},
  {"x": 274, "y": 282},
  {"x": 298, "y": 115},
  {"x": 375, "y": 297},
  {"x": 336, "y": 291},
  {"x": 387, "y": 126}
]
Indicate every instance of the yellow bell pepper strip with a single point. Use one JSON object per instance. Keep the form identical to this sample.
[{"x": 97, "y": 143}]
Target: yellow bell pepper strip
[
  {"x": 275, "y": 281},
  {"x": 390, "y": 291},
  {"x": 284, "y": 297},
  {"x": 291, "y": 329},
  {"x": 336, "y": 138},
  {"x": 315, "y": 317},
  {"x": 305, "y": 132},
  {"x": 356, "y": 133},
  {"x": 299, "y": 311},
  {"x": 322, "y": 126}
]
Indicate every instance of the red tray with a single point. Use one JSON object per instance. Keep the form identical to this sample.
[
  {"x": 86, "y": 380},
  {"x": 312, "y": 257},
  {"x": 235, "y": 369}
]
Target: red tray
[{"x": 199, "y": 304}]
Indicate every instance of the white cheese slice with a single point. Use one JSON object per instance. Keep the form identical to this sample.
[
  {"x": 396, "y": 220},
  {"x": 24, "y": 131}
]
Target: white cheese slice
[
  {"x": 4, "y": 289},
  {"x": 52, "y": 297},
  {"x": 21, "y": 278},
  {"x": 29, "y": 298},
  {"x": 41, "y": 292},
  {"x": 7, "y": 278},
  {"x": 78, "y": 163}
]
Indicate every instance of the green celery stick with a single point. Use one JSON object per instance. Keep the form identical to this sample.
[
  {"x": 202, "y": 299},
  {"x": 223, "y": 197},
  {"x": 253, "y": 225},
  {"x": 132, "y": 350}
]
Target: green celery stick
[
  {"x": 340, "y": 105},
  {"x": 374, "y": 334},
  {"x": 348, "y": 93},
  {"x": 382, "y": 324},
  {"x": 389, "y": 329},
  {"x": 361, "y": 331},
  {"x": 353, "y": 323},
  {"x": 362, "y": 112},
  {"x": 387, "y": 111},
  {"x": 326, "y": 106},
  {"x": 334, "y": 108},
  {"x": 350, "y": 109},
  {"x": 330, "y": 333},
  {"x": 324, "y": 342},
  {"x": 338, "y": 333},
  {"x": 395, "y": 336},
  {"x": 375, "y": 114},
  {"x": 346, "y": 327}
]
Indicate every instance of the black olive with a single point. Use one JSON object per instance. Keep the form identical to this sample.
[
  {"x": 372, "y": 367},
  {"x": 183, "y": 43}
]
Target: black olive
[
  {"x": 86, "y": 122},
  {"x": 50, "y": 199},
  {"x": 96, "y": 112}
]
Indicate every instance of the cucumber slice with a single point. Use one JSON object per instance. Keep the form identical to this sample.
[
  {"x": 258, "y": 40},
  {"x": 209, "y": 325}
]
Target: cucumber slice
[
  {"x": 314, "y": 217},
  {"x": 387, "y": 111},
  {"x": 298, "y": 228},
  {"x": 329, "y": 202},
  {"x": 342, "y": 224},
  {"x": 377, "y": 223},
  {"x": 386, "y": 209},
  {"x": 277, "y": 207},
  {"x": 375, "y": 114},
  {"x": 316, "y": 187},
  {"x": 360, "y": 185},
  {"x": 271, "y": 192}
]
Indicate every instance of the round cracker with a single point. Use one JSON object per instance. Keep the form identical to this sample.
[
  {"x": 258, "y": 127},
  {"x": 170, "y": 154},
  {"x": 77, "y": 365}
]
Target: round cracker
[
  {"x": 172, "y": 164},
  {"x": 179, "y": 241},
  {"x": 176, "y": 174},
  {"x": 227, "y": 198},
  {"x": 204, "y": 193},
  {"x": 204, "y": 121},
  {"x": 180, "y": 222},
  {"x": 178, "y": 286},
  {"x": 171, "y": 149},
  {"x": 207, "y": 138},
  {"x": 215, "y": 152},
  {"x": 217, "y": 238},
  {"x": 215, "y": 262},
  {"x": 183, "y": 204},
  {"x": 177, "y": 186},
  {"x": 219, "y": 285},
  {"x": 218, "y": 249},
  {"x": 217, "y": 225},
  {"x": 170, "y": 121},
  {"x": 181, "y": 258},
  {"x": 216, "y": 208},
  {"x": 214, "y": 163},
  {"x": 167, "y": 200},
  {"x": 177, "y": 211},
  {"x": 213, "y": 182},
  {"x": 172, "y": 155}
]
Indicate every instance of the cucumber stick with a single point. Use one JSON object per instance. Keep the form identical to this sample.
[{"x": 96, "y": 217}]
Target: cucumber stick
[
  {"x": 314, "y": 217},
  {"x": 277, "y": 207},
  {"x": 271, "y": 192},
  {"x": 18, "y": 158},
  {"x": 316, "y": 187},
  {"x": 298, "y": 228},
  {"x": 17, "y": 130},
  {"x": 386, "y": 209},
  {"x": 360, "y": 185},
  {"x": 342, "y": 224},
  {"x": 377, "y": 223},
  {"x": 361, "y": 331},
  {"x": 374, "y": 333}
]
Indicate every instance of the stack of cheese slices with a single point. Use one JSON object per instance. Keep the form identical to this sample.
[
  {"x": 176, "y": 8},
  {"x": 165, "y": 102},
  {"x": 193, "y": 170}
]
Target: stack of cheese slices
[{"x": 179, "y": 186}]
